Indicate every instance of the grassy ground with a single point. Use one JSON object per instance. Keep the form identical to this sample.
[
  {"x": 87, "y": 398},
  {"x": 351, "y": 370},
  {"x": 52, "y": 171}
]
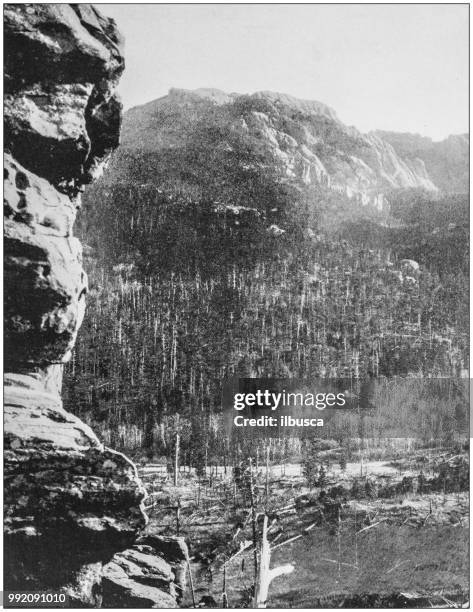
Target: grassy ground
[
  {"x": 388, "y": 560},
  {"x": 382, "y": 561}
]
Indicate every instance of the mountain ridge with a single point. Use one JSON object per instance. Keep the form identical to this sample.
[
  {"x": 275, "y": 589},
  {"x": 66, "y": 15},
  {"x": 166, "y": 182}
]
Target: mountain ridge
[
  {"x": 304, "y": 141},
  {"x": 446, "y": 160}
]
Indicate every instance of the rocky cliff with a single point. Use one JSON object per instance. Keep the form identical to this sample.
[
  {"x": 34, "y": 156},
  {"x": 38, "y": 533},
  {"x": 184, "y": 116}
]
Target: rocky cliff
[
  {"x": 70, "y": 503},
  {"x": 203, "y": 133},
  {"x": 446, "y": 161}
]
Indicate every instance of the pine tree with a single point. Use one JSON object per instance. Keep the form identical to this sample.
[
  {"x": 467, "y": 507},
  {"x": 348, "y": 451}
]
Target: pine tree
[
  {"x": 421, "y": 482},
  {"x": 371, "y": 490},
  {"x": 309, "y": 463},
  {"x": 309, "y": 470},
  {"x": 356, "y": 490},
  {"x": 322, "y": 477}
]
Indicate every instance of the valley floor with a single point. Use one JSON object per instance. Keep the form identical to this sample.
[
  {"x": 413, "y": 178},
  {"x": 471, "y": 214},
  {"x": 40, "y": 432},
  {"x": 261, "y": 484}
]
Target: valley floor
[{"x": 409, "y": 549}]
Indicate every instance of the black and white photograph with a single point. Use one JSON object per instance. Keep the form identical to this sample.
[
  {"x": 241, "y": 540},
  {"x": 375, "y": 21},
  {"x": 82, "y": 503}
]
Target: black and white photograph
[{"x": 236, "y": 305}]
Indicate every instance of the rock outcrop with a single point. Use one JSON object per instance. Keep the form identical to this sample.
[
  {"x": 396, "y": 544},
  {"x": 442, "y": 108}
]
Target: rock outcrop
[
  {"x": 70, "y": 503},
  {"x": 139, "y": 576}
]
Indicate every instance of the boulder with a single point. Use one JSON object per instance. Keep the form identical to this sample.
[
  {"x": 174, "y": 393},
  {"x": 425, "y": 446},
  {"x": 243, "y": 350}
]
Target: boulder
[
  {"x": 121, "y": 591},
  {"x": 275, "y": 230},
  {"x": 410, "y": 267},
  {"x": 139, "y": 576},
  {"x": 175, "y": 551}
]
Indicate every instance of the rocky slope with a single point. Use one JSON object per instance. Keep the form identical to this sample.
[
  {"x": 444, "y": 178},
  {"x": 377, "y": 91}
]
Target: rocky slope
[
  {"x": 199, "y": 135},
  {"x": 446, "y": 161},
  {"x": 70, "y": 502}
]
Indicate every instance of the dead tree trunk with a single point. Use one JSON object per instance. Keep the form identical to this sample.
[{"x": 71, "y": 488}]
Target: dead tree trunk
[
  {"x": 267, "y": 476},
  {"x": 253, "y": 520},
  {"x": 266, "y": 575},
  {"x": 176, "y": 461}
]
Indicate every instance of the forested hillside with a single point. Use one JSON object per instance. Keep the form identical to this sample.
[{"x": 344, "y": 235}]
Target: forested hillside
[{"x": 207, "y": 259}]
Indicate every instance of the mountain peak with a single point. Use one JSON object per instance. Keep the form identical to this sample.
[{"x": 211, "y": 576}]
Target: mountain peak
[
  {"x": 208, "y": 93},
  {"x": 308, "y": 107}
]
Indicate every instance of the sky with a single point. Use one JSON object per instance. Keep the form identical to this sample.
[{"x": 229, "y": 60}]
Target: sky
[{"x": 380, "y": 66}]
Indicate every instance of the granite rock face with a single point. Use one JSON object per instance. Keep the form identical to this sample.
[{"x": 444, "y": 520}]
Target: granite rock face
[{"x": 70, "y": 503}]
